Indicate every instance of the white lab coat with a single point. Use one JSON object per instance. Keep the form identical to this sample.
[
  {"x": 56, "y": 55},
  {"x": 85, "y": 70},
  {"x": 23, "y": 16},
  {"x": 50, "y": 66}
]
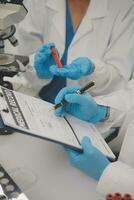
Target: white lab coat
[
  {"x": 119, "y": 175},
  {"x": 120, "y": 102},
  {"x": 106, "y": 36}
]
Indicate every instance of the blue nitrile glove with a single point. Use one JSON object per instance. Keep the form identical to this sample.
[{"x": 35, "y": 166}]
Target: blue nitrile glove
[
  {"x": 92, "y": 162},
  {"x": 78, "y": 68},
  {"x": 43, "y": 60},
  {"x": 82, "y": 106}
]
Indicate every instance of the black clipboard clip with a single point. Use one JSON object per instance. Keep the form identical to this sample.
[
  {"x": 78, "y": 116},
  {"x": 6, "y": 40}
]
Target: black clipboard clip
[{"x": 4, "y": 130}]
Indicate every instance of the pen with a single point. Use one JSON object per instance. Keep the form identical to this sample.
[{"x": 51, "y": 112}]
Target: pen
[
  {"x": 55, "y": 57},
  {"x": 81, "y": 91}
]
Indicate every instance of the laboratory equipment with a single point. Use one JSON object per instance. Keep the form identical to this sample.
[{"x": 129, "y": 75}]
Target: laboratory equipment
[{"x": 11, "y": 13}]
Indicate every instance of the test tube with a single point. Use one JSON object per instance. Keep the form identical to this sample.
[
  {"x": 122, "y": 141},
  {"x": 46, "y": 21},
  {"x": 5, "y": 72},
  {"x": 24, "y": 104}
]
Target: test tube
[
  {"x": 109, "y": 197},
  {"x": 55, "y": 57},
  {"x": 117, "y": 196},
  {"x": 127, "y": 197}
]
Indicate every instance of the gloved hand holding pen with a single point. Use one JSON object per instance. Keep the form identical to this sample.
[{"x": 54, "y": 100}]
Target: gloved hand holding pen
[
  {"x": 78, "y": 68},
  {"x": 82, "y": 106},
  {"x": 91, "y": 161},
  {"x": 43, "y": 60}
]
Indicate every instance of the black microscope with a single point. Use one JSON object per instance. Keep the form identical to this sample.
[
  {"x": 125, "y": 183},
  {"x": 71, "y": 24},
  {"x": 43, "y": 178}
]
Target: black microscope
[{"x": 11, "y": 13}]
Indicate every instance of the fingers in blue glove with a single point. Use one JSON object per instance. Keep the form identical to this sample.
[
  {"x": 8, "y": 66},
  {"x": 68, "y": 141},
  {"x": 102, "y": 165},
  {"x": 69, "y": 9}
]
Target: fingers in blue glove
[
  {"x": 46, "y": 48},
  {"x": 60, "y": 112},
  {"x": 70, "y": 152},
  {"x": 86, "y": 146},
  {"x": 43, "y": 52},
  {"x": 92, "y": 162},
  {"x": 81, "y": 106},
  {"x": 64, "y": 91},
  {"x": 69, "y": 71},
  {"x": 64, "y": 71},
  {"x": 78, "y": 68},
  {"x": 43, "y": 60},
  {"x": 76, "y": 98},
  {"x": 97, "y": 161}
]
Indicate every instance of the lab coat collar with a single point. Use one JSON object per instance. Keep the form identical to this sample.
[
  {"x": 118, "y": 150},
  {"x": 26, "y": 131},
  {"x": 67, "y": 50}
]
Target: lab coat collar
[
  {"x": 97, "y": 8},
  {"x": 55, "y": 4},
  {"x": 58, "y": 17}
]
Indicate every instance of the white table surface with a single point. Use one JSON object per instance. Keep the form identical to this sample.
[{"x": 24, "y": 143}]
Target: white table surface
[{"x": 42, "y": 169}]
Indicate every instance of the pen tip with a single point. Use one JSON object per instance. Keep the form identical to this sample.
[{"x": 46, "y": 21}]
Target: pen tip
[{"x": 51, "y": 109}]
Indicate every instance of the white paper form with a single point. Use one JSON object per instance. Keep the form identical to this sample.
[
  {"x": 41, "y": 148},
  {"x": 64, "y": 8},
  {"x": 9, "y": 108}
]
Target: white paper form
[
  {"x": 32, "y": 115},
  {"x": 83, "y": 128}
]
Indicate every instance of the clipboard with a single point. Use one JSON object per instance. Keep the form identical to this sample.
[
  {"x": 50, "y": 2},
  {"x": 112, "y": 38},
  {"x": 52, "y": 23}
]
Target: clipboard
[{"x": 31, "y": 116}]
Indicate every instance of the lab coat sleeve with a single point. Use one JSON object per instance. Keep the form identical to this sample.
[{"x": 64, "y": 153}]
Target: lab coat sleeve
[
  {"x": 115, "y": 67},
  {"x": 119, "y": 176},
  {"x": 120, "y": 102},
  {"x": 32, "y": 80},
  {"x": 30, "y": 34},
  {"x": 30, "y": 30}
]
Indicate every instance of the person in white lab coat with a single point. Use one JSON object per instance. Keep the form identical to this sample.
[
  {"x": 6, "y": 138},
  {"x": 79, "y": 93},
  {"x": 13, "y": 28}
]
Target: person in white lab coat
[
  {"x": 103, "y": 36},
  {"x": 116, "y": 176}
]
